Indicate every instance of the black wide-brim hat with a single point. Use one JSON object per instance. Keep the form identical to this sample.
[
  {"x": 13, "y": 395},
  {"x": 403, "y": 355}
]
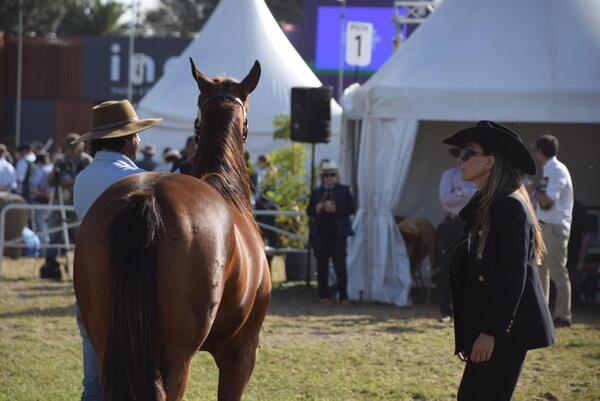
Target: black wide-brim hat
[{"x": 495, "y": 137}]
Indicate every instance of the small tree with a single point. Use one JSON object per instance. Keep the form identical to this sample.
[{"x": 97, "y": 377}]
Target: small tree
[{"x": 287, "y": 183}]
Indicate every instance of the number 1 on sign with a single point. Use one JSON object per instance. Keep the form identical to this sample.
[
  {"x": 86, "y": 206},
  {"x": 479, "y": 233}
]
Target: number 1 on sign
[{"x": 359, "y": 43}]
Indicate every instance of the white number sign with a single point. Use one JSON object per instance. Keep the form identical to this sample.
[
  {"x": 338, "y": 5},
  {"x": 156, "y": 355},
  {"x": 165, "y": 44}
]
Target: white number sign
[{"x": 359, "y": 43}]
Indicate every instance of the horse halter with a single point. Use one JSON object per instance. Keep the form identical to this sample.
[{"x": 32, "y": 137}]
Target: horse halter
[{"x": 226, "y": 96}]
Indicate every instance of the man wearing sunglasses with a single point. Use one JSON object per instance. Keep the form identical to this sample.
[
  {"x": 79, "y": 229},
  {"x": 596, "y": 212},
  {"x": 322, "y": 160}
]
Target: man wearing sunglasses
[
  {"x": 329, "y": 210},
  {"x": 454, "y": 195}
]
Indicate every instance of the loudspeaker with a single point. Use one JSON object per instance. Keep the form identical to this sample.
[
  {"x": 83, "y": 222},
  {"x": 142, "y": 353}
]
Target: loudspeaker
[{"x": 311, "y": 114}]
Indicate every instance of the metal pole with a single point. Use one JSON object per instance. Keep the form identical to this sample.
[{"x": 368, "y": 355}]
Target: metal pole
[
  {"x": 65, "y": 230},
  {"x": 312, "y": 186},
  {"x": 342, "y": 49},
  {"x": 131, "y": 50},
  {"x": 19, "y": 77}
]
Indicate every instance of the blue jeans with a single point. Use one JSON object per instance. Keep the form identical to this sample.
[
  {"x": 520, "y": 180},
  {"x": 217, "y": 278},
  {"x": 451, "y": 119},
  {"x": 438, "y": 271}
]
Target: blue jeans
[{"x": 92, "y": 390}]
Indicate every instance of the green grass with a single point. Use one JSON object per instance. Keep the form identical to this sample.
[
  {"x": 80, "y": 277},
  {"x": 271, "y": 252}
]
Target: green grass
[{"x": 308, "y": 351}]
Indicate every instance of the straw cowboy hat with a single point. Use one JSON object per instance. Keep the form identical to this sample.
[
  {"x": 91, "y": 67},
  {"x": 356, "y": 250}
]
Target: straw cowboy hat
[
  {"x": 496, "y": 137},
  {"x": 114, "y": 119},
  {"x": 329, "y": 167}
]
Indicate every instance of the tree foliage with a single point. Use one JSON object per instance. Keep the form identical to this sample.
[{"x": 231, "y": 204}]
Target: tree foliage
[
  {"x": 181, "y": 18},
  {"x": 40, "y": 16},
  {"x": 184, "y": 18},
  {"x": 63, "y": 17}
]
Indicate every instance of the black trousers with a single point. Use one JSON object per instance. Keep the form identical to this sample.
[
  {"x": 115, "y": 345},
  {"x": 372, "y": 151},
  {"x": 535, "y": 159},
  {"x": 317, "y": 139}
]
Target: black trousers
[
  {"x": 494, "y": 380},
  {"x": 447, "y": 237},
  {"x": 331, "y": 247}
]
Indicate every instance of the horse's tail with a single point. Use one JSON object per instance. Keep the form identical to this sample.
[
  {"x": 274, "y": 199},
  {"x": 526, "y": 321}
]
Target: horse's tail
[{"x": 130, "y": 369}]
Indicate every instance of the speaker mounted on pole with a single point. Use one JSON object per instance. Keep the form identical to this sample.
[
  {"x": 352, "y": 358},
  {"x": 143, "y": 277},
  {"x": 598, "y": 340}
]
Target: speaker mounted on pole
[{"x": 311, "y": 114}]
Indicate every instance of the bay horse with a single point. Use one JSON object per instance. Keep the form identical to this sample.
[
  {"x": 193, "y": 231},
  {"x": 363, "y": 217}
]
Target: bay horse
[{"x": 170, "y": 264}]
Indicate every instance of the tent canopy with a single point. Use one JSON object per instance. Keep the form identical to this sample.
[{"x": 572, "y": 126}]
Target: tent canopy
[
  {"x": 237, "y": 34},
  {"x": 510, "y": 60},
  {"x": 513, "y": 61}
]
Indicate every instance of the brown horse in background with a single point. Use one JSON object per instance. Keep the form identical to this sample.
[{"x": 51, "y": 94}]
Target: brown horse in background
[{"x": 169, "y": 264}]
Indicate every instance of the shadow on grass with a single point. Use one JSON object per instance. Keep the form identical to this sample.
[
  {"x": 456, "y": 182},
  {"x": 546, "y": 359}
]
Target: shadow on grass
[
  {"x": 58, "y": 311},
  {"x": 297, "y": 300}
]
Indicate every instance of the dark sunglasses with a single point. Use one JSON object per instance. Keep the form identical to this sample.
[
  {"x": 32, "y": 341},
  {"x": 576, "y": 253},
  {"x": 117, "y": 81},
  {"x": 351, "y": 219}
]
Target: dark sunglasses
[
  {"x": 466, "y": 153},
  {"x": 329, "y": 175}
]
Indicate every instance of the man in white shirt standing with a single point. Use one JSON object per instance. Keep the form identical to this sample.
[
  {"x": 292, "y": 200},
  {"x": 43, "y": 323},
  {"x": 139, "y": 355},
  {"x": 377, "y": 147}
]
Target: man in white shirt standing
[
  {"x": 114, "y": 142},
  {"x": 555, "y": 198}
]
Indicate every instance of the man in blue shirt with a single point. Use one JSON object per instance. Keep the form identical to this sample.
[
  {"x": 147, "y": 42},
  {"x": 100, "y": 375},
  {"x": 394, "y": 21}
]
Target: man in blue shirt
[{"x": 114, "y": 142}]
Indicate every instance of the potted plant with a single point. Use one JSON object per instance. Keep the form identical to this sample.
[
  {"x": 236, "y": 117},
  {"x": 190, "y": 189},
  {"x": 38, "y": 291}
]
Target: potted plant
[{"x": 287, "y": 185}]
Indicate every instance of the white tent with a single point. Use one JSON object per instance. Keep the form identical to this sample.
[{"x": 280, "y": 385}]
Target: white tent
[
  {"x": 514, "y": 61},
  {"x": 237, "y": 33}
]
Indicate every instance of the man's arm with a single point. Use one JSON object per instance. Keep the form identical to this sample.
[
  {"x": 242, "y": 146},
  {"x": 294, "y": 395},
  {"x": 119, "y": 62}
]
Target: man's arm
[{"x": 448, "y": 196}]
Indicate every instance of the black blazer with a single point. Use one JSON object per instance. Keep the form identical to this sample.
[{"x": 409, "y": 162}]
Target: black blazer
[
  {"x": 499, "y": 293},
  {"x": 344, "y": 206}
]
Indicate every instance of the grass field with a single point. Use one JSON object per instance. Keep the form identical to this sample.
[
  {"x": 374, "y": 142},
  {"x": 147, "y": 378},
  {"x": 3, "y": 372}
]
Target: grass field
[{"x": 308, "y": 351}]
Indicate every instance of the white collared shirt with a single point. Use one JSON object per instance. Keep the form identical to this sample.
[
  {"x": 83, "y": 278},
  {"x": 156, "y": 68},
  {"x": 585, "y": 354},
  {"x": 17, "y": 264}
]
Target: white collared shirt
[
  {"x": 107, "y": 168},
  {"x": 8, "y": 177},
  {"x": 560, "y": 190}
]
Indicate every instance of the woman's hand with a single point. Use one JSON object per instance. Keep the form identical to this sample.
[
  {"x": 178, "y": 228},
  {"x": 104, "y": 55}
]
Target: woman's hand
[{"x": 482, "y": 348}]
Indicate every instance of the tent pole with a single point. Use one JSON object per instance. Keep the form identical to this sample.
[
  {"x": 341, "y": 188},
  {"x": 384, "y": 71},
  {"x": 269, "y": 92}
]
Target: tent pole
[
  {"x": 342, "y": 49},
  {"x": 134, "y": 10},
  {"x": 370, "y": 235}
]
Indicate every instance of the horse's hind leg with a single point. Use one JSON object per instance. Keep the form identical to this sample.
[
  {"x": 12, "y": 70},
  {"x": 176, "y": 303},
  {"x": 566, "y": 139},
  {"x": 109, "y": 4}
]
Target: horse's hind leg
[
  {"x": 236, "y": 362},
  {"x": 175, "y": 370}
]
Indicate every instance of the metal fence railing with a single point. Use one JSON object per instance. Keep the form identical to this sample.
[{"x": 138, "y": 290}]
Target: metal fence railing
[{"x": 19, "y": 242}]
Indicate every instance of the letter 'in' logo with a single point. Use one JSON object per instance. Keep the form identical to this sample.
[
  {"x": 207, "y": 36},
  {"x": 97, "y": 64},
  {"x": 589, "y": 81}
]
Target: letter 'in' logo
[
  {"x": 144, "y": 69},
  {"x": 115, "y": 62}
]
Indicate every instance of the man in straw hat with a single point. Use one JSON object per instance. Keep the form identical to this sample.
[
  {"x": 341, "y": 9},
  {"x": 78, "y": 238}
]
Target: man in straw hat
[
  {"x": 114, "y": 142},
  {"x": 329, "y": 209}
]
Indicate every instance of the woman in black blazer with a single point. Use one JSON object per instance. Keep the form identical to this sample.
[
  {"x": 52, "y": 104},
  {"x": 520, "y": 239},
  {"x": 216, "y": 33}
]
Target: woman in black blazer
[{"x": 499, "y": 308}]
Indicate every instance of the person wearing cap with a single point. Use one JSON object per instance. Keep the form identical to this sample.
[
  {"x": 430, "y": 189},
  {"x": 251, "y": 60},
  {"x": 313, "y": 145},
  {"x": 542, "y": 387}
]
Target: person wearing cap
[
  {"x": 8, "y": 177},
  {"x": 555, "y": 200},
  {"x": 500, "y": 310},
  {"x": 61, "y": 179},
  {"x": 329, "y": 209},
  {"x": 454, "y": 194},
  {"x": 114, "y": 142},
  {"x": 146, "y": 162}
]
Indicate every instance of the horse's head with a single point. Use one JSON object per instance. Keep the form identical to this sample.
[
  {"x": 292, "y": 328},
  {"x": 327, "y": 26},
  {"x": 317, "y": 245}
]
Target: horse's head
[{"x": 223, "y": 89}]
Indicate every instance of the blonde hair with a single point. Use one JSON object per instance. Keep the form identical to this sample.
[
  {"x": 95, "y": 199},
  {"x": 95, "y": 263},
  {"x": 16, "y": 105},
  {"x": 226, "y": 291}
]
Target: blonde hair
[{"x": 505, "y": 179}]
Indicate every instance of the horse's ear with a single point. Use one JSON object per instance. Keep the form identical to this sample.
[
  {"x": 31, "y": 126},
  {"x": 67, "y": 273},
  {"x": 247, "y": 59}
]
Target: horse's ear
[
  {"x": 249, "y": 83},
  {"x": 200, "y": 78}
]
